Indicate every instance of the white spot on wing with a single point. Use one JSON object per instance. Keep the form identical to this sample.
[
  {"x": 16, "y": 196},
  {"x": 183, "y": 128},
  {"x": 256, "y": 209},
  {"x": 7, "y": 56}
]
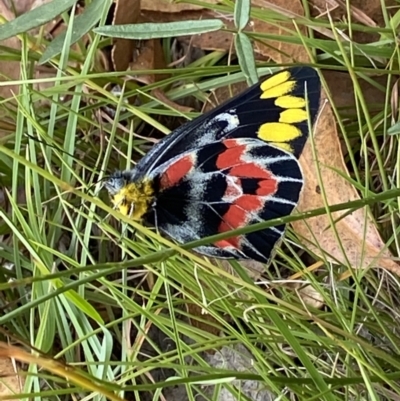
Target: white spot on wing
[
  {"x": 234, "y": 189},
  {"x": 208, "y": 135},
  {"x": 211, "y": 129},
  {"x": 232, "y": 120}
]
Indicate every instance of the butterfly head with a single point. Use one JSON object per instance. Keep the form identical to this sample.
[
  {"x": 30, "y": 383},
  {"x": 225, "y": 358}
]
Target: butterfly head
[{"x": 132, "y": 198}]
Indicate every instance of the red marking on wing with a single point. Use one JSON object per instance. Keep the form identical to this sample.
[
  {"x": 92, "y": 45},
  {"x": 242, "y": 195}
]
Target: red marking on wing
[
  {"x": 250, "y": 203},
  {"x": 237, "y": 216},
  {"x": 232, "y": 155},
  {"x": 232, "y": 143},
  {"x": 226, "y": 243},
  {"x": 267, "y": 187},
  {"x": 176, "y": 171},
  {"x": 250, "y": 170}
]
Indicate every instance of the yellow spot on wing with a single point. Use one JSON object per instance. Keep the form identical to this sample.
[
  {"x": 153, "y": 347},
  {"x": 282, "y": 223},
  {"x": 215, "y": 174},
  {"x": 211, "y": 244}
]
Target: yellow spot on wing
[
  {"x": 284, "y": 146},
  {"x": 280, "y": 90},
  {"x": 291, "y": 116},
  {"x": 278, "y": 85},
  {"x": 278, "y": 132},
  {"x": 134, "y": 199},
  {"x": 275, "y": 80},
  {"x": 290, "y": 102}
]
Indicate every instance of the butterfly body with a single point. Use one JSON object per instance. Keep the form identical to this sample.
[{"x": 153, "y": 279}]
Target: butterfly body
[{"x": 234, "y": 166}]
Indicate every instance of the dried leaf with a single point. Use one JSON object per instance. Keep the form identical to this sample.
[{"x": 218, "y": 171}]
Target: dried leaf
[
  {"x": 40, "y": 85},
  {"x": 126, "y": 12},
  {"x": 203, "y": 318},
  {"x": 358, "y": 14},
  {"x": 222, "y": 40},
  {"x": 308, "y": 294},
  {"x": 22, "y": 6},
  {"x": 215, "y": 41},
  {"x": 357, "y": 234},
  {"x": 339, "y": 84},
  {"x": 366, "y": 12},
  {"x": 160, "y": 95},
  {"x": 279, "y": 51},
  {"x": 10, "y": 382},
  {"x": 149, "y": 56}
]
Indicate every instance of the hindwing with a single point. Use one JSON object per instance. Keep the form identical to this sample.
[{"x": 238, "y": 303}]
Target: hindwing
[{"x": 224, "y": 186}]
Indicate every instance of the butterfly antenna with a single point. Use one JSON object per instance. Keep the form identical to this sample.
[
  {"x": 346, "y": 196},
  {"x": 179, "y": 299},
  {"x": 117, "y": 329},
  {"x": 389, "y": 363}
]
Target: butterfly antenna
[
  {"x": 50, "y": 145},
  {"x": 56, "y": 147}
]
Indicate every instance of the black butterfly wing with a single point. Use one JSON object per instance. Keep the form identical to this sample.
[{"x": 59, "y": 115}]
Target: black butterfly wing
[{"x": 274, "y": 110}]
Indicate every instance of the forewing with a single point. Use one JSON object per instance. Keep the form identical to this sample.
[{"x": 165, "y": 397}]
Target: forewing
[
  {"x": 224, "y": 186},
  {"x": 274, "y": 111}
]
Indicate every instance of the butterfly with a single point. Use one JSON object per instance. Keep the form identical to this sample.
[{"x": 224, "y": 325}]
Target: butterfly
[{"x": 233, "y": 166}]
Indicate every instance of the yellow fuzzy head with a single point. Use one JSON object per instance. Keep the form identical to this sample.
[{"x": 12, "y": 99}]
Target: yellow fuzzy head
[{"x": 129, "y": 197}]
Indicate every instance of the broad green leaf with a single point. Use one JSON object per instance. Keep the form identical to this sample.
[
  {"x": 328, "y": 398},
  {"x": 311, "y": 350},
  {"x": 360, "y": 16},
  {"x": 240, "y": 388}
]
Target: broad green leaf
[
  {"x": 245, "y": 54},
  {"x": 82, "y": 25},
  {"x": 242, "y": 13},
  {"x": 37, "y": 17},
  {"x": 166, "y": 30}
]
